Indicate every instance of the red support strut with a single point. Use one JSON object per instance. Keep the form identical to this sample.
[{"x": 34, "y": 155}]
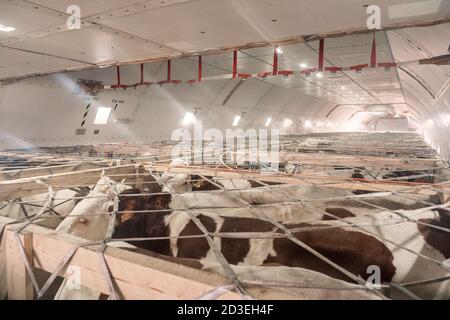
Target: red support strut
[
  {"x": 234, "y": 64},
  {"x": 142, "y": 73},
  {"x": 373, "y": 57},
  {"x": 275, "y": 61},
  {"x": 199, "y": 68},
  {"x": 169, "y": 71}
]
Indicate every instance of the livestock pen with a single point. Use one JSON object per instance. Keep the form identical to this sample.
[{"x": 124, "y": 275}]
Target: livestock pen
[{"x": 319, "y": 176}]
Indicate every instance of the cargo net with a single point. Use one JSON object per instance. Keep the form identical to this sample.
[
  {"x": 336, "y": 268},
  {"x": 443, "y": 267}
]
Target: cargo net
[{"x": 304, "y": 234}]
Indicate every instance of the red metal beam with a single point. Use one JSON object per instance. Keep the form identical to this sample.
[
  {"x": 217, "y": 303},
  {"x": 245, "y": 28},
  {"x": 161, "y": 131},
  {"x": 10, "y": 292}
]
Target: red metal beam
[
  {"x": 275, "y": 61},
  {"x": 169, "y": 70},
  {"x": 199, "y": 68},
  {"x": 234, "y": 64},
  {"x": 373, "y": 56}
]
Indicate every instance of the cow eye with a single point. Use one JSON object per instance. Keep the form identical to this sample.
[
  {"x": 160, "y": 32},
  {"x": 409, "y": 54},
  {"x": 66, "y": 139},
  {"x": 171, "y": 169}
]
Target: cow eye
[{"x": 83, "y": 221}]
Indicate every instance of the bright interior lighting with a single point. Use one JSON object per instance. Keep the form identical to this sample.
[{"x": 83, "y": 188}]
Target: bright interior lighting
[
  {"x": 287, "y": 122},
  {"x": 269, "y": 120},
  {"x": 102, "y": 115},
  {"x": 236, "y": 121},
  {"x": 343, "y": 88},
  {"x": 6, "y": 29},
  {"x": 279, "y": 51},
  {"x": 303, "y": 65},
  {"x": 319, "y": 75},
  {"x": 308, "y": 124},
  {"x": 189, "y": 118}
]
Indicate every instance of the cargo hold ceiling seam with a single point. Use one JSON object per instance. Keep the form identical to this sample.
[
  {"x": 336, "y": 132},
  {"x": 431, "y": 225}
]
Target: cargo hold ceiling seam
[
  {"x": 48, "y": 55},
  {"x": 393, "y": 57},
  {"x": 405, "y": 70}
]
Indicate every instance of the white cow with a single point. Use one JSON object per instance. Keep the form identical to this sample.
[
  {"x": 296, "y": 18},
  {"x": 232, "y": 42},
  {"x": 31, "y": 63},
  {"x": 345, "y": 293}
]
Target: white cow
[
  {"x": 28, "y": 206},
  {"x": 89, "y": 220},
  {"x": 318, "y": 286},
  {"x": 314, "y": 209}
]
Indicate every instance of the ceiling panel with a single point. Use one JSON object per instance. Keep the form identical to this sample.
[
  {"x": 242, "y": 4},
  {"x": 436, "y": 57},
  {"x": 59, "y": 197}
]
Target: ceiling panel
[
  {"x": 92, "y": 45},
  {"x": 17, "y": 63},
  {"x": 88, "y": 7},
  {"x": 25, "y": 18}
]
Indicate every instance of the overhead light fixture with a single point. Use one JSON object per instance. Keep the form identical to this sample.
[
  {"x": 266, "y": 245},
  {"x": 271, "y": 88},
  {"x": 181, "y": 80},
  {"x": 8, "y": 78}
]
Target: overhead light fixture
[
  {"x": 303, "y": 65},
  {"x": 236, "y": 121},
  {"x": 343, "y": 88},
  {"x": 279, "y": 50},
  {"x": 6, "y": 29},
  {"x": 308, "y": 124},
  {"x": 287, "y": 122},
  {"x": 102, "y": 115},
  {"x": 269, "y": 120},
  {"x": 188, "y": 119},
  {"x": 319, "y": 75}
]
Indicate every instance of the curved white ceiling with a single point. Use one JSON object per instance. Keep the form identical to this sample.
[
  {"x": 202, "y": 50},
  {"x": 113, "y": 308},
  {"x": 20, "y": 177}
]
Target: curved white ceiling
[
  {"x": 117, "y": 31},
  {"x": 47, "y": 110}
]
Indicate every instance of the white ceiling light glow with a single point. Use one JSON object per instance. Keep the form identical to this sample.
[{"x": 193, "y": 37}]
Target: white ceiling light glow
[
  {"x": 287, "y": 122},
  {"x": 102, "y": 115},
  {"x": 188, "y": 119},
  {"x": 236, "y": 121},
  {"x": 6, "y": 29},
  {"x": 269, "y": 120}
]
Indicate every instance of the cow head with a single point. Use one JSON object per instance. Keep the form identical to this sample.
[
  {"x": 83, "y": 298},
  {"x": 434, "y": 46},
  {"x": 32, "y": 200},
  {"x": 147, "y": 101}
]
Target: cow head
[{"x": 90, "y": 217}]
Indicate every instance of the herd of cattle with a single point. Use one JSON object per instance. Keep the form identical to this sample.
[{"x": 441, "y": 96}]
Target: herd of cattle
[{"x": 405, "y": 236}]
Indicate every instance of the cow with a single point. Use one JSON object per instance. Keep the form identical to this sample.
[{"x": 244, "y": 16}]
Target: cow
[
  {"x": 282, "y": 202},
  {"x": 296, "y": 282},
  {"x": 183, "y": 182},
  {"x": 89, "y": 220},
  {"x": 354, "y": 248},
  {"x": 64, "y": 202},
  {"x": 409, "y": 176}
]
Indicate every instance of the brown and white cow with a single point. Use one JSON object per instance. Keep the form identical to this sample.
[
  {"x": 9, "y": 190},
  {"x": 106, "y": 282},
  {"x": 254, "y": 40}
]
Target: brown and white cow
[{"x": 353, "y": 248}]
